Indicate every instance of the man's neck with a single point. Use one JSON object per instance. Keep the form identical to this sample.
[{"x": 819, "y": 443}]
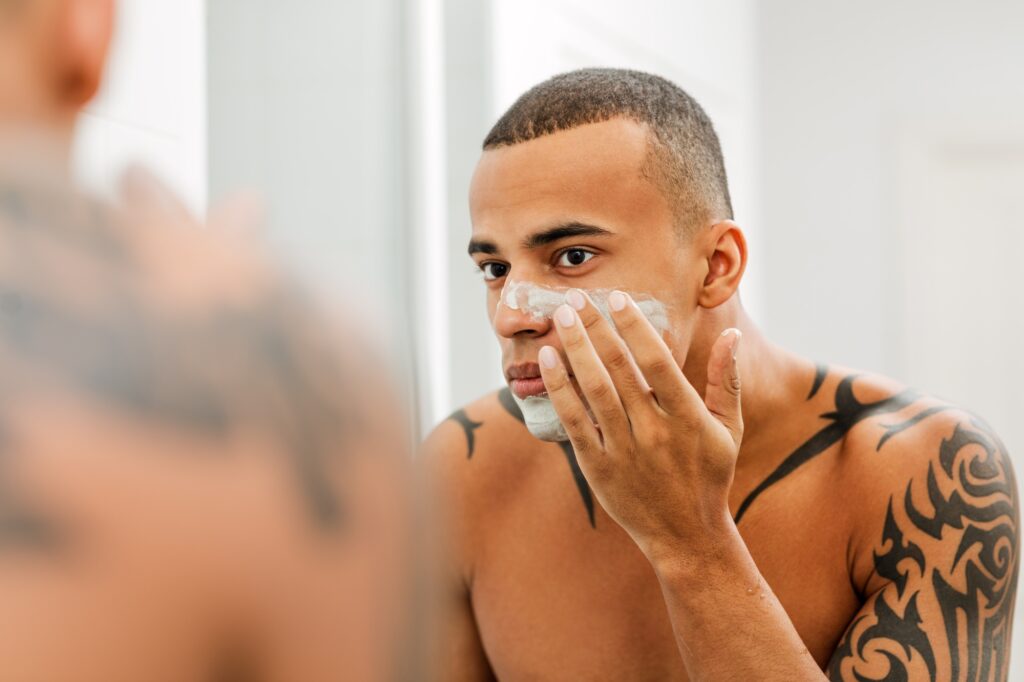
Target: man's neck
[{"x": 772, "y": 379}]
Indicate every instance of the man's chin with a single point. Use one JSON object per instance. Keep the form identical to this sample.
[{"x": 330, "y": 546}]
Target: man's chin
[
  {"x": 541, "y": 419},
  {"x": 549, "y": 433}
]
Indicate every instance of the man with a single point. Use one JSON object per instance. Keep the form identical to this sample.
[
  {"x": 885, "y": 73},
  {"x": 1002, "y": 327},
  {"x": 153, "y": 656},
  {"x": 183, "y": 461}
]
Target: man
[
  {"x": 197, "y": 482},
  {"x": 830, "y": 523}
]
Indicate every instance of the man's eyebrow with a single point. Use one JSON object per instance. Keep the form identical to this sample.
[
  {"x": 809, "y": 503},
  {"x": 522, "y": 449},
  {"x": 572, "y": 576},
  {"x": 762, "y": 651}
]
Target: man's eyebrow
[
  {"x": 574, "y": 229},
  {"x": 482, "y": 246},
  {"x": 544, "y": 237}
]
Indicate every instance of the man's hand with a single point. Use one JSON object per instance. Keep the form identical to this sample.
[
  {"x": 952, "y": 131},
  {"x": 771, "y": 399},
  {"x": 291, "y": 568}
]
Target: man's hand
[
  {"x": 661, "y": 462},
  {"x": 659, "y": 458}
]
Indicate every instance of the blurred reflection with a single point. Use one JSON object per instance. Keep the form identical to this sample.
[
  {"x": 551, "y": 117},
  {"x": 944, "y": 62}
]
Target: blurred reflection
[{"x": 197, "y": 480}]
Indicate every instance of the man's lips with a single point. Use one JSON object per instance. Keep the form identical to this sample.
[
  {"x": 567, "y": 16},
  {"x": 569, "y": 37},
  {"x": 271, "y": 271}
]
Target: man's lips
[
  {"x": 525, "y": 380},
  {"x": 524, "y": 388}
]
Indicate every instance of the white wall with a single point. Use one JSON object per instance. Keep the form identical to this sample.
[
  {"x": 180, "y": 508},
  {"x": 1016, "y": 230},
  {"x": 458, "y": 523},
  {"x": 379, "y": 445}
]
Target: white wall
[
  {"x": 306, "y": 109},
  {"x": 152, "y": 106},
  {"x": 842, "y": 83},
  {"x": 893, "y": 196},
  {"x": 707, "y": 48},
  {"x": 861, "y": 102}
]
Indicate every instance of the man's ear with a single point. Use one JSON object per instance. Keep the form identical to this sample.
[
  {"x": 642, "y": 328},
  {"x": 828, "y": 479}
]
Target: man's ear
[
  {"x": 726, "y": 261},
  {"x": 84, "y": 30}
]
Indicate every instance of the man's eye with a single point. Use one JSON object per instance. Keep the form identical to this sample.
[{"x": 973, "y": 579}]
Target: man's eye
[
  {"x": 494, "y": 271},
  {"x": 571, "y": 258}
]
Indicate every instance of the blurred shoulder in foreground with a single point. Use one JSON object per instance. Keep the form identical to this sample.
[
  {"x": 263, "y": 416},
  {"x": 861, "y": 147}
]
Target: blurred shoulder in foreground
[{"x": 199, "y": 479}]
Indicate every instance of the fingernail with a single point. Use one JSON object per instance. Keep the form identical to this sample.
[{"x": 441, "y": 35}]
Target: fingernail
[
  {"x": 565, "y": 316},
  {"x": 548, "y": 357},
  {"x": 574, "y": 297},
  {"x": 736, "y": 341},
  {"x": 617, "y": 301}
]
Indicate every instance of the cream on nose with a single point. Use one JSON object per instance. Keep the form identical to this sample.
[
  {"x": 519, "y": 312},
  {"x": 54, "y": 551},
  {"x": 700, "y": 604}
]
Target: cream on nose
[
  {"x": 540, "y": 302},
  {"x": 537, "y": 301},
  {"x": 514, "y": 313}
]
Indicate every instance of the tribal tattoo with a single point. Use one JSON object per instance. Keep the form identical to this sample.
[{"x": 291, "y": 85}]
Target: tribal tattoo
[
  {"x": 847, "y": 414},
  {"x": 509, "y": 403},
  {"x": 506, "y": 400},
  {"x": 468, "y": 426},
  {"x": 949, "y": 549},
  {"x": 820, "y": 374}
]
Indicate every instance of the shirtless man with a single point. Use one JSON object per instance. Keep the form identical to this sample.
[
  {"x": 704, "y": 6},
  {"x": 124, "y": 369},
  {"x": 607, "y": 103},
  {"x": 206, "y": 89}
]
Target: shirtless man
[
  {"x": 836, "y": 525},
  {"x": 198, "y": 483}
]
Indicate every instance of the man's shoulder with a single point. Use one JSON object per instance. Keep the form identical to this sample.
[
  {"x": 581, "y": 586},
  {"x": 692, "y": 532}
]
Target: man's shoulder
[
  {"x": 480, "y": 462},
  {"x": 914, "y": 463},
  {"x": 933, "y": 502},
  {"x": 896, "y": 432},
  {"x": 480, "y": 431},
  {"x": 897, "y": 443}
]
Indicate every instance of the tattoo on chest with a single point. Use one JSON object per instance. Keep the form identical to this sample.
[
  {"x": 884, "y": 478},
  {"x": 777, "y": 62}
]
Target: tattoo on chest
[
  {"x": 506, "y": 400},
  {"x": 509, "y": 403},
  {"x": 950, "y": 549}
]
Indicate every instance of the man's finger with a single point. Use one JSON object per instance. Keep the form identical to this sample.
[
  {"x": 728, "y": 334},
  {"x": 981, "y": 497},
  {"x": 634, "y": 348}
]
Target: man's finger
[
  {"x": 671, "y": 388},
  {"x": 592, "y": 377},
  {"x": 573, "y": 415},
  {"x": 634, "y": 392},
  {"x": 723, "y": 392}
]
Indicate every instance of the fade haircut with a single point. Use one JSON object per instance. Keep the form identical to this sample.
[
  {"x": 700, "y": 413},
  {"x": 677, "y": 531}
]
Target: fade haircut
[{"x": 684, "y": 157}]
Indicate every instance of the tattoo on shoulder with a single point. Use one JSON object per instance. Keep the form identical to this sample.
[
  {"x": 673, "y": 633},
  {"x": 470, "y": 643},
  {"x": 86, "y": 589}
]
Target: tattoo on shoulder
[
  {"x": 820, "y": 374},
  {"x": 468, "y": 426},
  {"x": 509, "y": 404},
  {"x": 949, "y": 549},
  {"x": 847, "y": 414}
]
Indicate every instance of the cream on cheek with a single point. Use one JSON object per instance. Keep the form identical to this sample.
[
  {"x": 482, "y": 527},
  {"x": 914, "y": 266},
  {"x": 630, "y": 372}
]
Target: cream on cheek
[{"x": 540, "y": 303}]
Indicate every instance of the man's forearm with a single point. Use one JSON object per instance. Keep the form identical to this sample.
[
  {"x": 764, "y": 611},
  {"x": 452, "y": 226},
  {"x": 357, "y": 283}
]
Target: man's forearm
[{"x": 728, "y": 624}]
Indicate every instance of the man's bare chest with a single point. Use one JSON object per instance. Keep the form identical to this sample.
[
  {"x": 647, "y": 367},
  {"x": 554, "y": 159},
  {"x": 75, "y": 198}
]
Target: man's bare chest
[{"x": 556, "y": 597}]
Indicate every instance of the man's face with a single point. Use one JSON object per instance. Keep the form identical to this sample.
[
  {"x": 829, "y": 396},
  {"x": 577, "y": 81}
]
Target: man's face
[{"x": 574, "y": 210}]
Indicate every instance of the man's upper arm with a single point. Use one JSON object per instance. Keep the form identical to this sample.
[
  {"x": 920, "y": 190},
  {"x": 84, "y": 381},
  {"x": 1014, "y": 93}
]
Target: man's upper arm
[{"x": 945, "y": 568}]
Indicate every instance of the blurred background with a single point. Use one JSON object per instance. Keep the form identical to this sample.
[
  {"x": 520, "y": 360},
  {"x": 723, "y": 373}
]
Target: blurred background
[{"x": 875, "y": 153}]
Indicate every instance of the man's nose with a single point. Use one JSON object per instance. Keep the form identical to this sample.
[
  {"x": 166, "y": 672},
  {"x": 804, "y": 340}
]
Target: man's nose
[{"x": 511, "y": 322}]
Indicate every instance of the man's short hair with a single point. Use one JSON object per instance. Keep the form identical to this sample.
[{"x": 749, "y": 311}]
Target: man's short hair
[{"x": 685, "y": 157}]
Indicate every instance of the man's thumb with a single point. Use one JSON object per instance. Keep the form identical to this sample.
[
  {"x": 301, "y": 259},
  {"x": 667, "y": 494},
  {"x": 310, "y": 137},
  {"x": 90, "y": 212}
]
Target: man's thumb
[{"x": 723, "y": 391}]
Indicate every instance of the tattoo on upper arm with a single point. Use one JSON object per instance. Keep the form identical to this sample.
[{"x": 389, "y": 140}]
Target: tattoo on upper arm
[{"x": 949, "y": 551}]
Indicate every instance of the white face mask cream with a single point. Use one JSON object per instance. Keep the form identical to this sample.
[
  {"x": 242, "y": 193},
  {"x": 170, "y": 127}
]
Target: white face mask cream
[{"x": 540, "y": 303}]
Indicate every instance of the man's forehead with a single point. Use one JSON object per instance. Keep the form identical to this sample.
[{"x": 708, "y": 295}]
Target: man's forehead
[
  {"x": 616, "y": 146},
  {"x": 577, "y": 173}
]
